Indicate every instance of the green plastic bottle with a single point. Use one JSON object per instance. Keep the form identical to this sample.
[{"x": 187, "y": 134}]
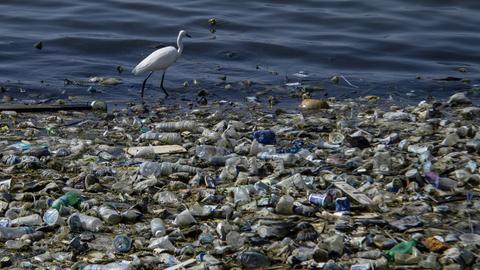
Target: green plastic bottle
[
  {"x": 68, "y": 199},
  {"x": 401, "y": 248}
]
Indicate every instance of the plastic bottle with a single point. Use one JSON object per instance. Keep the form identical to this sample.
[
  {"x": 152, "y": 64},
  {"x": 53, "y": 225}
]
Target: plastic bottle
[
  {"x": 166, "y": 138},
  {"x": 79, "y": 221},
  {"x": 164, "y": 168},
  {"x": 110, "y": 266},
  {"x": 122, "y": 243},
  {"x": 51, "y": 217},
  {"x": 10, "y": 160},
  {"x": 158, "y": 227},
  {"x": 30, "y": 220},
  {"x": 69, "y": 199},
  {"x": 253, "y": 260},
  {"x": 10, "y": 233},
  {"x": 401, "y": 248},
  {"x": 178, "y": 126},
  {"x": 286, "y": 158},
  {"x": 5, "y": 222},
  {"x": 381, "y": 162},
  {"x": 208, "y": 151},
  {"x": 109, "y": 215}
]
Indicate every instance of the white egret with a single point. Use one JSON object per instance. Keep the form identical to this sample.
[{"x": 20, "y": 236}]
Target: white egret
[{"x": 160, "y": 60}]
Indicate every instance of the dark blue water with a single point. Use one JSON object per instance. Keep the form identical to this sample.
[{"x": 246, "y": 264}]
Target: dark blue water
[{"x": 381, "y": 46}]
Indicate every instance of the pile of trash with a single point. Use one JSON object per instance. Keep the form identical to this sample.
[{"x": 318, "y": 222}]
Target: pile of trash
[{"x": 336, "y": 185}]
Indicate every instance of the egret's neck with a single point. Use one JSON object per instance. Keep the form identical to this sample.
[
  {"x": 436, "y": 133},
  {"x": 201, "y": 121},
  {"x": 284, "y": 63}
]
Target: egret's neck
[{"x": 180, "y": 45}]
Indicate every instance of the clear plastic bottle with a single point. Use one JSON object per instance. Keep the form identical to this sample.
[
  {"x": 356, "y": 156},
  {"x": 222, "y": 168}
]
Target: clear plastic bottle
[
  {"x": 30, "y": 220},
  {"x": 178, "y": 126},
  {"x": 206, "y": 152},
  {"x": 10, "y": 233},
  {"x": 166, "y": 137},
  {"x": 158, "y": 227},
  {"x": 381, "y": 162},
  {"x": 109, "y": 266},
  {"x": 109, "y": 215},
  {"x": 287, "y": 158},
  {"x": 79, "y": 221}
]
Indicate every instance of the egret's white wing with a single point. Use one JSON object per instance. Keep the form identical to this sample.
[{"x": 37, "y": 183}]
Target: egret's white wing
[{"x": 158, "y": 60}]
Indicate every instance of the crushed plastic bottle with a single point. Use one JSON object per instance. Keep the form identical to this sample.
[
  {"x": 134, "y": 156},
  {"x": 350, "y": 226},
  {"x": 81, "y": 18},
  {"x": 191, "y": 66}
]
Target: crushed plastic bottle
[
  {"x": 156, "y": 169},
  {"x": 405, "y": 247}
]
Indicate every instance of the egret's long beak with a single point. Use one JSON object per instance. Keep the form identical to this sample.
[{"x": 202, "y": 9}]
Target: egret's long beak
[{"x": 187, "y": 35}]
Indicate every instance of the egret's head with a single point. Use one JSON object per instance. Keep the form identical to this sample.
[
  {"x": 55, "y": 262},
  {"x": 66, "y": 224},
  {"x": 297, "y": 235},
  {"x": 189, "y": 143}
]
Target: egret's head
[{"x": 184, "y": 33}]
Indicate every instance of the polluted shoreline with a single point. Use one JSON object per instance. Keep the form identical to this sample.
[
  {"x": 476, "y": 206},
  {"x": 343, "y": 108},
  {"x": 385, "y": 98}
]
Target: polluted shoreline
[{"x": 336, "y": 184}]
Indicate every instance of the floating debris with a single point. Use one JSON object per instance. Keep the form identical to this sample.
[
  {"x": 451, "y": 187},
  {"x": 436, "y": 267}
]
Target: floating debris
[
  {"x": 38, "y": 45},
  {"x": 105, "y": 80},
  {"x": 348, "y": 185}
]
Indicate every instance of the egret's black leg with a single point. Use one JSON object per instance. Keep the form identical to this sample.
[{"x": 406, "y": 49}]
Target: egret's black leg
[
  {"x": 161, "y": 85},
  {"x": 145, "y": 81}
]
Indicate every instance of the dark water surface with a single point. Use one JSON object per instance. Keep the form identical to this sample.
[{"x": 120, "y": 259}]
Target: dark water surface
[{"x": 381, "y": 46}]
